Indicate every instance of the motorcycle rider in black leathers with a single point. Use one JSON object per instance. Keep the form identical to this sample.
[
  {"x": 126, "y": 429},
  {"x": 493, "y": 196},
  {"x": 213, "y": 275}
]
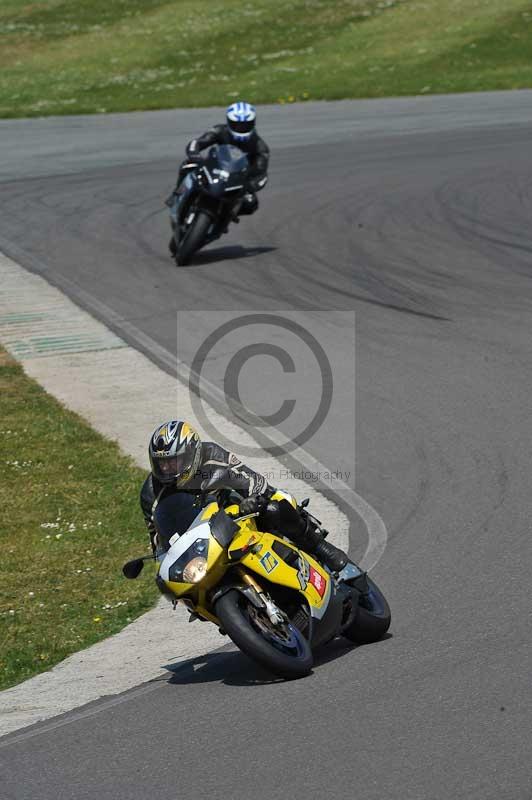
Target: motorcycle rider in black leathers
[
  {"x": 239, "y": 131},
  {"x": 181, "y": 463}
]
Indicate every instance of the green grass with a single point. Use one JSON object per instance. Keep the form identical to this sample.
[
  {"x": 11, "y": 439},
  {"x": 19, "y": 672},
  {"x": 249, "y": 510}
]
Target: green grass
[
  {"x": 74, "y": 56},
  {"x": 69, "y": 518}
]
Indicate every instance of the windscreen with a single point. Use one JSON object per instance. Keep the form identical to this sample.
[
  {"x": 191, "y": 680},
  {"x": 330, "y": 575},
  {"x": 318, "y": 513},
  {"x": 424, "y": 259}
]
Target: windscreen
[
  {"x": 174, "y": 514},
  {"x": 227, "y": 157}
]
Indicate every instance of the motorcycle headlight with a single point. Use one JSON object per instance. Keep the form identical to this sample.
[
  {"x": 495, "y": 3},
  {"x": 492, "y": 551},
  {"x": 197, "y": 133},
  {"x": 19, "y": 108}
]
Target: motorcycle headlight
[
  {"x": 195, "y": 570},
  {"x": 191, "y": 566}
]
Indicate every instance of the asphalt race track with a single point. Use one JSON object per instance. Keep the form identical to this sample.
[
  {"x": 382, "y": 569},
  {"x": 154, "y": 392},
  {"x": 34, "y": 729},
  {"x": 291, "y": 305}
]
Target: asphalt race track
[{"x": 416, "y": 215}]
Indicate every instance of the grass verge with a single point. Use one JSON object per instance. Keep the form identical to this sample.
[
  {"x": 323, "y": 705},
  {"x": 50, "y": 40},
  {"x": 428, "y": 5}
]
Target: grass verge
[
  {"x": 80, "y": 56},
  {"x": 69, "y": 518}
]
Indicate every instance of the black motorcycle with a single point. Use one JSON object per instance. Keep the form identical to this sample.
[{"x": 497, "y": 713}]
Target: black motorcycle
[{"x": 208, "y": 200}]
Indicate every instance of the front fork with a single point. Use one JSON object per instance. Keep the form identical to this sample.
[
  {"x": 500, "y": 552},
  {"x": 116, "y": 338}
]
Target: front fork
[{"x": 275, "y": 615}]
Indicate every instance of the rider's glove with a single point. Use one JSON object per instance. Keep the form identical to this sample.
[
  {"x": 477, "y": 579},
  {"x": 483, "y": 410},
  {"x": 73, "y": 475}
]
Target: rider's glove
[
  {"x": 194, "y": 158},
  {"x": 253, "y": 504}
]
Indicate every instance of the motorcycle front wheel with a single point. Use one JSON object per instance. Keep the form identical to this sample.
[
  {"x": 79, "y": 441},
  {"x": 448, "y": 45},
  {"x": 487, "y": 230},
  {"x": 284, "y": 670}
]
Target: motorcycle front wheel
[
  {"x": 193, "y": 238},
  {"x": 282, "y": 649}
]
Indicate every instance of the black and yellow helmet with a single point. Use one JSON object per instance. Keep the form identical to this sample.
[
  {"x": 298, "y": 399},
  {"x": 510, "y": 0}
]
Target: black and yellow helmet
[{"x": 175, "y": 452}]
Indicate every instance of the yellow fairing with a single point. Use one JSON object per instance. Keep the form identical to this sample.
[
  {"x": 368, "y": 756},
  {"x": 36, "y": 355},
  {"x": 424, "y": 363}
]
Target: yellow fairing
[
  {"x": 216, "y": 567},
  {"x": 310, "y": 578},
  {"x": 279, "y": 495},
  {"x": 213, "y": 575},
  {"x": 259, "y": 557},
  {"x": 254, "y": 550}
]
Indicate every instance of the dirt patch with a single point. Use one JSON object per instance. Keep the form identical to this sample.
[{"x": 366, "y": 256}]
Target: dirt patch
[{"x": 5, "y": 359}]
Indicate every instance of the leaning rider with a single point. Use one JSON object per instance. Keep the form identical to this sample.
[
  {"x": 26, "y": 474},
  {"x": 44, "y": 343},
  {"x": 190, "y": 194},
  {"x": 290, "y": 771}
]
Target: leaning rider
[
  {"x": 181, "y": 462},
  {"x": 239, "y": 130}
]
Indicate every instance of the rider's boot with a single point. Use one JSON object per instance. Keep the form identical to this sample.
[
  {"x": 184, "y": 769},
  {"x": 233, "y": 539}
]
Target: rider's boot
[
  {"x": 305, "y": 532},
  {"x": 325, "y": 552}
]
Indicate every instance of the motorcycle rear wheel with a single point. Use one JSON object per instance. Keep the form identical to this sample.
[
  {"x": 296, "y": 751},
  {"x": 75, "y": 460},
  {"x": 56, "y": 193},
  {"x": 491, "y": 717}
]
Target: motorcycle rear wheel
[
  {"x": 372, "y": 619},
  {"x": 193, "y": 239},
  {"x": 283, "y": 650}
]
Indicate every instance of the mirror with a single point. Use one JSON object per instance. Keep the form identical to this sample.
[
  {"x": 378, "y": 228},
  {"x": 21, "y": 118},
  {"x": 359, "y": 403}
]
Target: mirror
[{"x": 133, "y": 568}]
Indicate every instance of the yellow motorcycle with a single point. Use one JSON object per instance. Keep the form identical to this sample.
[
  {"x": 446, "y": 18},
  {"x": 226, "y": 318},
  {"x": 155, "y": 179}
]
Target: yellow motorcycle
[{"x": 275, "y": 602}]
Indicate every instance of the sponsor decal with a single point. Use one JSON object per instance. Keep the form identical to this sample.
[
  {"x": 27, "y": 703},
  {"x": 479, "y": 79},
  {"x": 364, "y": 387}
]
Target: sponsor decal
[
  {"x": 269, "y": 562},
  {"x": 303, "y": 572},
  {"x": 318, "y": 581}
]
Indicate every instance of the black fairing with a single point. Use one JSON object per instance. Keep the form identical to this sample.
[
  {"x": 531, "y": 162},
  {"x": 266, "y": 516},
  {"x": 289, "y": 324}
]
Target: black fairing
[
  {"x": 289, "y": 554},
  {"x": 163, "y": 588},
  {"x": 231, "y": 161},
  {"x": 329, "y": 626},
  {"x": 223, "y": 528},
  {"x": 215, "y": 187},
  {"x": 174, "y": 514},
  {"x": 222, "y": 178}
]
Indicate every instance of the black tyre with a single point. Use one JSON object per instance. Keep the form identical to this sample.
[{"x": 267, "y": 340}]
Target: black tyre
[
  {"x": 193, "y": 238},
  {"x": 283, "y": 650},
  {"x": 373, "y": 617}
]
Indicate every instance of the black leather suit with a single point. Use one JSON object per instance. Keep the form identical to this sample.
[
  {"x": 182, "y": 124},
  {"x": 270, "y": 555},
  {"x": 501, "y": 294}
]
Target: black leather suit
[
  {"x": 242, "y": 479},
  {"x": 276, "y": 516}
]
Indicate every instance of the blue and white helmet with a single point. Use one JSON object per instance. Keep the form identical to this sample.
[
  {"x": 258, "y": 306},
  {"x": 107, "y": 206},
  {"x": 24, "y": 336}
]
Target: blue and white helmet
[{"x": 241, "y": 120}]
